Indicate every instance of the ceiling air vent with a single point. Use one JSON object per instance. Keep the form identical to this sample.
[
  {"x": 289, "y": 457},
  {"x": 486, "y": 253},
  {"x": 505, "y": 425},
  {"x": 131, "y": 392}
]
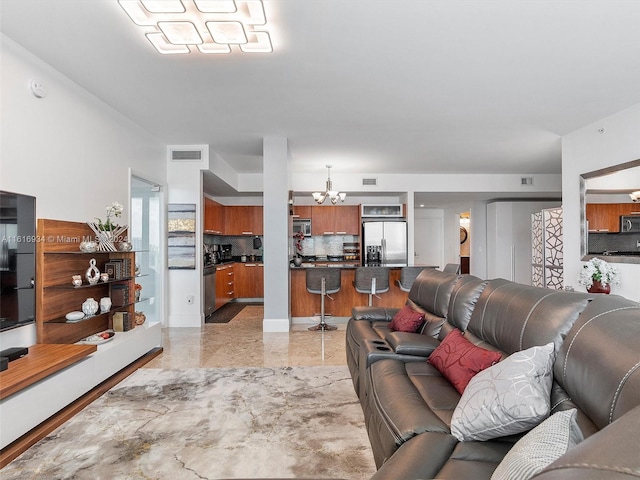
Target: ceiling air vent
[
  {"x": 526, "y": 181},
  {"x": 369, "y": 182},
  {"x": 186, "y": 155}
]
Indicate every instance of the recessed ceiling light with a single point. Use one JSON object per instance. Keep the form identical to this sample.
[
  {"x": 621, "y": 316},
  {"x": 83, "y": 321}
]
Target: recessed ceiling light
[{"x": 205, "y": 26}]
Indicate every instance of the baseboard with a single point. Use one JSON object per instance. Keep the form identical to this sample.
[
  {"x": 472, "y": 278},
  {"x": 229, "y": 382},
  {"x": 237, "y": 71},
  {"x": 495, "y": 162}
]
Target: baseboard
[{"x": 274, "y": 325}]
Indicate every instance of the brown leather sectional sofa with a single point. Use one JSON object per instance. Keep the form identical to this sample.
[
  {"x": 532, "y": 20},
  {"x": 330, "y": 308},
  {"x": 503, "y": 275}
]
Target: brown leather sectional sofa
[{"x": 408, "y": 405}]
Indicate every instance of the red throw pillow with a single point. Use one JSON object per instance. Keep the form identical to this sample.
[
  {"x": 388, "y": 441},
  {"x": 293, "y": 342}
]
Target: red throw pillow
[
  {"x": 406, "y": 320},
  {"x": 458, "y": 360}
]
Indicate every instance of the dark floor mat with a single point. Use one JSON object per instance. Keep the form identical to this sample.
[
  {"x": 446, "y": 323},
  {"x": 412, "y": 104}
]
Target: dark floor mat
[{"x": 225, "y": 313}]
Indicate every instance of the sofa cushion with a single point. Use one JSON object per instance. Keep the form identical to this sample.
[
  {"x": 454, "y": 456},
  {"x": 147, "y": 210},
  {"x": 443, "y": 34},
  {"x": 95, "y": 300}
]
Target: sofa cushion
[
  {"x": 510, "y": 397},
  {"x": 459, "y": 360},
  {"x": 541, "y": 446},
  {"x": 406, "y": 320}
]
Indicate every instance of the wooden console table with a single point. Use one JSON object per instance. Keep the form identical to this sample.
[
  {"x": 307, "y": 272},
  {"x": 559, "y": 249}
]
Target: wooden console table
[{"x": 41, "y": 361}]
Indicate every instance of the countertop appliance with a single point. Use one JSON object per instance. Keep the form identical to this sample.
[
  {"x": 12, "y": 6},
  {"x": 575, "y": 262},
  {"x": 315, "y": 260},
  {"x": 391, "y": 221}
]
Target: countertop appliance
[
  {"x": 225, "y": 252},
  {"x": 302, "y": 225},
  {"x": 385, "y": 242},
  {"x": 630, "y": 223}
]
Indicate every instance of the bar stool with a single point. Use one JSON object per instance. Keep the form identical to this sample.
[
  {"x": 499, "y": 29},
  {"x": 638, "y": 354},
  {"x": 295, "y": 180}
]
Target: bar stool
[
  {"x": 323, "y": 281},
  {"x": 371, "y": 280},
  {"x": 407, "y": 277},
  {"x": 452, "y": 268}
]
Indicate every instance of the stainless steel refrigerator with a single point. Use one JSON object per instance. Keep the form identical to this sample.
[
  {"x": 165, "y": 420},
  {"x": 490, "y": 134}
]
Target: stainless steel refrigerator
[{"x": 384, "y": 242}]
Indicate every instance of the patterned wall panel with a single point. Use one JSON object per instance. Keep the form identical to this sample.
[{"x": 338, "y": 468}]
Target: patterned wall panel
[{"x": 547, "y": 253}]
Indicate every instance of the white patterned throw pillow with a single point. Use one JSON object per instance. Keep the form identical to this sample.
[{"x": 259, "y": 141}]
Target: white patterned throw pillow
[
  {"x": 540, "y": 447},
  {"x": 510, "y": 397}
]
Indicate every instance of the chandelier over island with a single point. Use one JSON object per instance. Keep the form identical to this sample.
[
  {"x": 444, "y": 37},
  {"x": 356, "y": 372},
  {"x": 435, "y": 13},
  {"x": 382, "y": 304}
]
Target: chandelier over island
[{"x": 329, "y": 192}]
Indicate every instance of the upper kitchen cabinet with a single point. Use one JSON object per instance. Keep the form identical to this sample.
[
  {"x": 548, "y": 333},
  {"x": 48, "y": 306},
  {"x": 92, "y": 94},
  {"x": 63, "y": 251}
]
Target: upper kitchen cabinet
[
  {"x": 214, "y": 217},
  {"x": 605, "y": 217},
  {"x": 243, "y": 220},
  {"x": 335, "y": 220},
  {"x": 302, "y": 211}
]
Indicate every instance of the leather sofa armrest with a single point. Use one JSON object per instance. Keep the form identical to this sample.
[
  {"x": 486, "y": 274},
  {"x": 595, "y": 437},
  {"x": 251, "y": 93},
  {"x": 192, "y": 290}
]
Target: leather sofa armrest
[
  {"x": 373, "y": 314},
  {"x": 611, "y": 453},
  {"x": 416, "y": 344}
]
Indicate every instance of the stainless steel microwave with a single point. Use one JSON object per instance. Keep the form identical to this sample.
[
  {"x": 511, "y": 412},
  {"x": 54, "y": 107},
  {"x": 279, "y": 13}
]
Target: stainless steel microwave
[
  {"x": 302, "y": 225},
  {"x": 630, "y": 223}
]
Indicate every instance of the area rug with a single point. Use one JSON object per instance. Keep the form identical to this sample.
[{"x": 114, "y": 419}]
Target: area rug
[
  {"x": 290, "y": 422},
  {"x": 227, "y": 312}
]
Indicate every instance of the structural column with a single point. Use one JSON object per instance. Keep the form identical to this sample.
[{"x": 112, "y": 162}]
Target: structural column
[{"x": 276, "y": 230}]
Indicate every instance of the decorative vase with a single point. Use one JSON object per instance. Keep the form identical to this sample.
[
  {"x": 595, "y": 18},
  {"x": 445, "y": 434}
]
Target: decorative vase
[
  {"x": 93, "y": 274},
  {"x": 140, "y": 318},
  {"x": 105, "y": 304},
  {"x": 125, "y": 246},
  {"x": 598, "y": 287},
  {"x": 297, "y": 261},
  {"x": 90, "y": 307},
  {"x": 76, "y": 280},
  {"x": 88, "y": 246}
]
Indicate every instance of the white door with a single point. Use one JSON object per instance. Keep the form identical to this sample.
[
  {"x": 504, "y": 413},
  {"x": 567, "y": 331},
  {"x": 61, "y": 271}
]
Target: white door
[{"x": 429, "y": 242}]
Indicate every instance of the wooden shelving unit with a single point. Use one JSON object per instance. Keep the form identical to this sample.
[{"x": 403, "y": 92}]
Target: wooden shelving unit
[{"x": 58, "y": 257}]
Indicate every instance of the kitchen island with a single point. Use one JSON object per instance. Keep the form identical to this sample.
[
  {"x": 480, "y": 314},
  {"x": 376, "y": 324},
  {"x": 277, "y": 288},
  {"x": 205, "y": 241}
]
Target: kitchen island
[{"x": 305, "y": 304}]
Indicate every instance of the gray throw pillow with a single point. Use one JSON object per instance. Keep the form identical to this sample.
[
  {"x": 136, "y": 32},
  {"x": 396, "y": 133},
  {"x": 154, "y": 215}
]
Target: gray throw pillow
[
  {"x": 510, "y": 397},
  {"x": 540, "y": 447}
]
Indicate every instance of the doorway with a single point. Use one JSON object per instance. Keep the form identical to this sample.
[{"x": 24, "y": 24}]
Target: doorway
[
  {"x": 465, "y": 242},
  {"x": 146, "y": 227}
]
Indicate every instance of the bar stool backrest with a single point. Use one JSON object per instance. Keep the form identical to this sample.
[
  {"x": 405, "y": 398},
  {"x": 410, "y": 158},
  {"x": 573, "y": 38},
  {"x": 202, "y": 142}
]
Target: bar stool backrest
[{"x": 331, "y": 277}]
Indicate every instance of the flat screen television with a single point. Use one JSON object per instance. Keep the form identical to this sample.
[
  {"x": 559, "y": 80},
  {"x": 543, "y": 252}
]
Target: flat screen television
[{"x": 17, "y": 259}]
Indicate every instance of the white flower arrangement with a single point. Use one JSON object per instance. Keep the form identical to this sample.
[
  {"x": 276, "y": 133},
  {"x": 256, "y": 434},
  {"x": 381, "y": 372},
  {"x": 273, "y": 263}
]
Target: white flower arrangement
[
  {"x": 598, "y": 270},
  {"x": 115, "y": 210}
]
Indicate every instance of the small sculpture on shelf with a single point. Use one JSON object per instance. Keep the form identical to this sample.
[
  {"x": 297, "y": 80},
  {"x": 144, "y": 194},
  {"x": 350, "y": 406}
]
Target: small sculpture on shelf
[
  {"x": 104, "y": 277},
  {"x": 76, "y": 280},
  {"x": 138, "y": 291},
  {"x": 93, "y": 274}
]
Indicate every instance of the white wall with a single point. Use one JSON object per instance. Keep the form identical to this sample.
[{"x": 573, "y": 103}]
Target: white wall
[
  {"x": 69, "y": 150},
  {"x": 586, "y": 150},
  {"x": 185, "y": 186}
]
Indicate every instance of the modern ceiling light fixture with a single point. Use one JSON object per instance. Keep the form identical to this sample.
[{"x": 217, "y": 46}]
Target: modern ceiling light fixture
[
  {"x": 207, "y": 26},
  {"x": 330, "y": 193}
]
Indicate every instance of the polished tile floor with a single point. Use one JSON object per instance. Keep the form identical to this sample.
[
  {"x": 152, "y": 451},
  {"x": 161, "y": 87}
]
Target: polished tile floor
[{"x": 242, "y": 343}]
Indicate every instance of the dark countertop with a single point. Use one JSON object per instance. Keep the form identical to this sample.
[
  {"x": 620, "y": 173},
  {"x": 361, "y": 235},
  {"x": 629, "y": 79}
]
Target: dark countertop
[{"x": 350, "y": 266}]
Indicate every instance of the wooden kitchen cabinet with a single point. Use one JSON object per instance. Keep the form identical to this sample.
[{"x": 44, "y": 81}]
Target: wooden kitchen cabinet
[
  {"x": 335, "y": 220},
  {"x": 302, "y": 211},
  {"x": 225, "y": 284},
  {"x": 249, "y": 280},
  {"x": 214, "y": 217},
  {"x": 243, "y": 220},
  {"x": 606, "y": 216}
]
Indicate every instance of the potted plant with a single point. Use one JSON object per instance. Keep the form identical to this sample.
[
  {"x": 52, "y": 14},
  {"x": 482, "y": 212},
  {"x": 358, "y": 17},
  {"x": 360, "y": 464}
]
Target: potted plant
[
  {"x": 597, "y": 276},
  {"x": 297, "y": 260},
  {"x": 108, "y": 232}
]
